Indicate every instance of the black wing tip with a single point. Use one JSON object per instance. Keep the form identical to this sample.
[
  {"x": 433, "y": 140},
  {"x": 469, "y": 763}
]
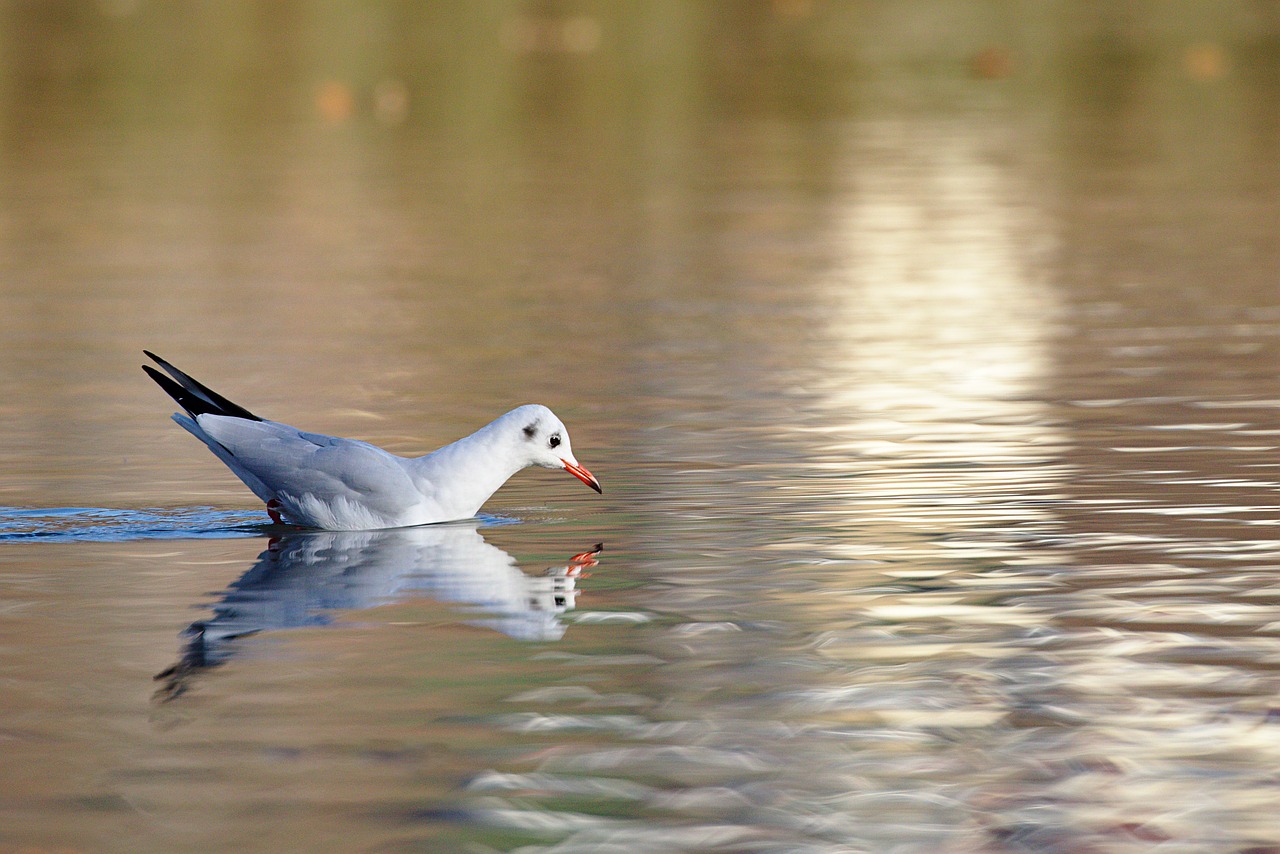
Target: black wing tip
[
  {"x": 156, "y": 375},
  {"x": 192, "y": 395},
  {"x": 190, "y": 403}
]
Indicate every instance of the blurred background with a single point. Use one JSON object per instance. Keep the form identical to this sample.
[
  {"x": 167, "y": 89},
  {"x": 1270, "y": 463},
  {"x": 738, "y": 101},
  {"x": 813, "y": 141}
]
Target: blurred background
[{"x": 927, "y": 351}]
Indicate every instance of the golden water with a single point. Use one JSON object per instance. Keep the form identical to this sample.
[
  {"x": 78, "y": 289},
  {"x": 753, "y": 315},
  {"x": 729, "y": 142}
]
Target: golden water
[{"x": 929, "y": 363}]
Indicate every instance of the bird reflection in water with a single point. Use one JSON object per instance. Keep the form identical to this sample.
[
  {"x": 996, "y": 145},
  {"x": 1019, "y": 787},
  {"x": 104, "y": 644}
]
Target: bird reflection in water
[{"x": 306, "y": 578}]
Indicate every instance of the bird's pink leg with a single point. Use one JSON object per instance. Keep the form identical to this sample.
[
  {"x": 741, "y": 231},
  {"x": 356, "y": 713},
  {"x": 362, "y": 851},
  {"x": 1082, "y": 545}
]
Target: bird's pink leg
[{"x": 273, "y": 510}]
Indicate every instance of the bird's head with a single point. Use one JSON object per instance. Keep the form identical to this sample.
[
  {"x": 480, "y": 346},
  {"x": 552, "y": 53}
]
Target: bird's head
[{"x": 545, "y": 442}]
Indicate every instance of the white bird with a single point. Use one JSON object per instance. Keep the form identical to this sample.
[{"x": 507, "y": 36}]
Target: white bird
[{"x": 346, "y": 485}]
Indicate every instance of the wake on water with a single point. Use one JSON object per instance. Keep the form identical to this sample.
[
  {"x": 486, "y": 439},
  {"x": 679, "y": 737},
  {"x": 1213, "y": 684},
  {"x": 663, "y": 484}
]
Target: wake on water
[
  {"x": 110, "y": 525},
  {"x": 104, "y": 524}
]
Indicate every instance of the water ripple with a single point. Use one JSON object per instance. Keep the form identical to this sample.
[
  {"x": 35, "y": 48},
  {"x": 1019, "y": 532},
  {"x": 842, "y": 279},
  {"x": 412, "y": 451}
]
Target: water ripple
[
  {"x": 113, "y": 525},
  {"x": 104, "y": 524}
]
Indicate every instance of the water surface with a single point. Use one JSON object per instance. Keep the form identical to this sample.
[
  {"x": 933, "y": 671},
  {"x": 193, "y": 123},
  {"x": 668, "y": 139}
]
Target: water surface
[{"x": 929, "y": 364}]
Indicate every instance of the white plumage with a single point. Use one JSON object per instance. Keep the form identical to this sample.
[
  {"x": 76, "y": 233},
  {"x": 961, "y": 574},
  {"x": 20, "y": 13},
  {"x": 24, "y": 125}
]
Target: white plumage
[{"x": 346, "y": 485}]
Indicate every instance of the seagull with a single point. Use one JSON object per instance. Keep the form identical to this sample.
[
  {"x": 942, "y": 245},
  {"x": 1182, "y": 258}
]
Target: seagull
[{"x": 320, "y": 481}]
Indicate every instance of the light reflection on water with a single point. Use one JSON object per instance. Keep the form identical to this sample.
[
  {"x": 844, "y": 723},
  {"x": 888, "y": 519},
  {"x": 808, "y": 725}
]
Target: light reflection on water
[
  {"x": 939, "y": 338},
  {"x": 922, "y": 650}
]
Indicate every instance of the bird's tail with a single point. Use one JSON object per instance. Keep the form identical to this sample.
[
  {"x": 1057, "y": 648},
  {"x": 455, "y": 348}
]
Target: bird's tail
[{"x": 192, "y": 395}]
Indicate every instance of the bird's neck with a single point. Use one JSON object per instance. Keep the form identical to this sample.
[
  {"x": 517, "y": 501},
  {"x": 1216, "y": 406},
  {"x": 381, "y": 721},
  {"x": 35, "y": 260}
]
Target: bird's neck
[{"x": 461, "y": 476}]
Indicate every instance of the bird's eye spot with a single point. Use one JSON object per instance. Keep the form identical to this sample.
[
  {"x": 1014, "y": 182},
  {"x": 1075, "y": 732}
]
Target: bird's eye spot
[{"x": 554, "y": 440}]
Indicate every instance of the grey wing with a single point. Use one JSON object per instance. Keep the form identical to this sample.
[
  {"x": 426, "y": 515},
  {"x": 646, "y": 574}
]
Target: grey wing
[{"x": 291, "y": 465}]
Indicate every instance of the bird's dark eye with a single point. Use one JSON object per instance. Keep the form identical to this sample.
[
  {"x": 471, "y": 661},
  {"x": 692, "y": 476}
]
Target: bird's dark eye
[{"x": 554, "y": 440}]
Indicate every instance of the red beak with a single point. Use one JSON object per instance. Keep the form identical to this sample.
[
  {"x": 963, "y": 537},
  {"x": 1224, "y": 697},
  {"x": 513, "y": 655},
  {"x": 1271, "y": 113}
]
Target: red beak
[{"x": 583, "y": 475}]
